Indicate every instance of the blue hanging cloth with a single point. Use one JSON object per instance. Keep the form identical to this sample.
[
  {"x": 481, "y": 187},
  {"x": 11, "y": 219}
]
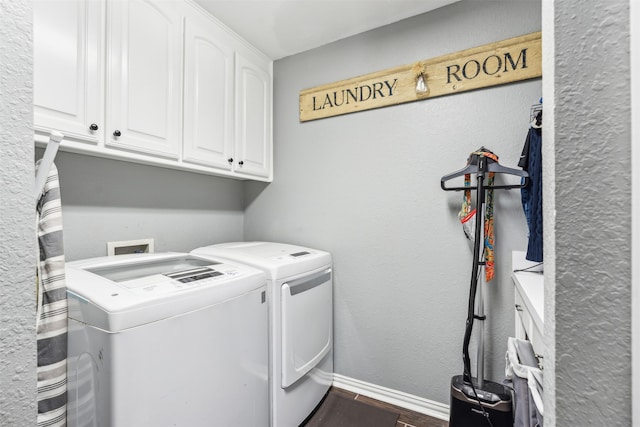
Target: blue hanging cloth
[{"x": 531, "y": 161}]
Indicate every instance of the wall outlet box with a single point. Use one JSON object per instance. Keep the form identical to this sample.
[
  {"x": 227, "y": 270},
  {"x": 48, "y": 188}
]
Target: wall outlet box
[{"x": 141, "y": 246}]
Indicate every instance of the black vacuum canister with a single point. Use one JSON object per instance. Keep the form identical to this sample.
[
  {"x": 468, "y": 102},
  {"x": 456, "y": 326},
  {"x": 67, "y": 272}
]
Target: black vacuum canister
[{"x": 465, "y": 410}]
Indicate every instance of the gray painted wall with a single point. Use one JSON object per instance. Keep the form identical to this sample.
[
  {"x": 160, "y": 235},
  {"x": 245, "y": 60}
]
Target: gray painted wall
[
  {"x": 592, "y": 146},
  {"x": 107, "y": 200},
  {"x": 17, "y": 218},
  {"x": 366, "y": 187}
]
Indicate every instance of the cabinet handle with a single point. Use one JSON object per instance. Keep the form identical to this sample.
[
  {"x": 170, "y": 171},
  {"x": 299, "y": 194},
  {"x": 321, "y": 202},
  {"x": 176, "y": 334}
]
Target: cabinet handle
[
  {"x": 93, "y": 127},
  {"x": 241, "y": 163},
  {"x": 116, "y": 133},
  {"x": 230, "y": 160},
  {"x": 518, "y": 307}
]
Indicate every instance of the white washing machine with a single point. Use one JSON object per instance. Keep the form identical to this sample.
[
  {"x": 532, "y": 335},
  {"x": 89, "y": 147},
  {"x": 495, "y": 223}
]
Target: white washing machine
[
  {"x": 300, "y": 299},
  {"x": 166, "y": 340}
]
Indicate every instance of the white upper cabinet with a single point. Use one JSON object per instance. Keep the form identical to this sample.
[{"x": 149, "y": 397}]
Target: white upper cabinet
[
  {"x": 68, "y": 68},
  {"x": 158, "y": 82},
  {"x": 253, "y": 150},
  {"x": 144, "y": 95},
  {"x": 208, "y": 97}
]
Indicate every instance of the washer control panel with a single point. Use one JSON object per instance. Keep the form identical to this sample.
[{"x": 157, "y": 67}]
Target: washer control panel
[
  {"x": 177, "y": 281},
  {"x": 194, "y": 275}
]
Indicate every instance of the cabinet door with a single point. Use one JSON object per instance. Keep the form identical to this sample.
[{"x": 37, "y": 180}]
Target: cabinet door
[
  {"x": 68, "y": 68},
  {"x": 208, "y": 98},
  {"x": 253, "y": 118},
  {"x": 144, "y": 95}
]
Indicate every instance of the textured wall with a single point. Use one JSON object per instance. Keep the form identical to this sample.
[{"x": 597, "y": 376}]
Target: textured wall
[
  {"x": 635, "y": 169},
  {"x": 17, "y": 218},
  {"x": 366, "y": 187},
  {"x": 592, "y": 225},
  {"x": 107, "y": 200}
]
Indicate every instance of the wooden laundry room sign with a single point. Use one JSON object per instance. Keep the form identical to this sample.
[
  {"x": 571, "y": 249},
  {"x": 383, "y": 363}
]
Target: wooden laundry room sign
[{"x": 507, "y": 61}]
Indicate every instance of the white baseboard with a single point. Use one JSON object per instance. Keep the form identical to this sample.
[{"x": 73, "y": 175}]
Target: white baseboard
[{"x": 394, "y": 397}]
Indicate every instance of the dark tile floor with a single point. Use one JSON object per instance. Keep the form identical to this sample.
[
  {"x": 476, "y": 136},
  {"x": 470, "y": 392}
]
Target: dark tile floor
[{"x": 406, "y": 417}]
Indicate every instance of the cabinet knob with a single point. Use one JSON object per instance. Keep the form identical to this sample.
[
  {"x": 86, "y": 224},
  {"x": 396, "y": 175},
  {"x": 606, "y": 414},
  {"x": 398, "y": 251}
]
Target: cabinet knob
[
  {"x": 93, "y": 127},
  {"x": 116, "y": 133},
  {"x": 241, "y": 163},
  {"x": 230, "y": 160}
]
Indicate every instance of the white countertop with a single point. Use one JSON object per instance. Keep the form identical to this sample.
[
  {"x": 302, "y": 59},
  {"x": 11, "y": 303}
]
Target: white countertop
[{"x": 530, "y": 284}]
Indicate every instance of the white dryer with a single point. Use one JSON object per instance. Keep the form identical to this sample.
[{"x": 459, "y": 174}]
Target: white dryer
[
  {"x": 300, "y": 299},
  {"x": 166, "y": 340}
]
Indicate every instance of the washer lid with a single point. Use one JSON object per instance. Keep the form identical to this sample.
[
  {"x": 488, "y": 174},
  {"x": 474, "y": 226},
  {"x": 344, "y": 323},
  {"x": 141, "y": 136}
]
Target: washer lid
[
  {"x": 280, "y": 260},
  {"x": 115, "y": 293},
  {"x": 170, "y": 267}
]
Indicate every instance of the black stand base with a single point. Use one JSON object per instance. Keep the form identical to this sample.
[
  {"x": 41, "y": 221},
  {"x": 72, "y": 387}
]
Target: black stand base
[{"x": 465, "y": 411}]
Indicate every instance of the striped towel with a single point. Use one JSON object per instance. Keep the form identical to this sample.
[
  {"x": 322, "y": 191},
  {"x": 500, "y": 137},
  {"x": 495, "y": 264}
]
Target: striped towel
[{"x": 51, "y": 318}]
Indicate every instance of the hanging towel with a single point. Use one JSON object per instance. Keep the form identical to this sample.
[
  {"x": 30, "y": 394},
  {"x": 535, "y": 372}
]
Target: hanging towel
[
  {"x": 51, "y": 313},
  {"x": 467, "y": 215}
]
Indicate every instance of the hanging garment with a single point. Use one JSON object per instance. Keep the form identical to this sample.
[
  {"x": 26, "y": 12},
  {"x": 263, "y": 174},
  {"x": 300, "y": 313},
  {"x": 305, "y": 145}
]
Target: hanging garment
[
  {"x": 521, "y": 364},
  {"x": 51, "y": 315},
  {"x": 531, "y": 194},
  {"x": 467, "y": 217},
  {"x": 489, "y": 234}
]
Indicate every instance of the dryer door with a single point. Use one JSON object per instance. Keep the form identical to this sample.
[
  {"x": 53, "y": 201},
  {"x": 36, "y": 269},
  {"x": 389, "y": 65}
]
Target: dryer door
[{"x": 307, "y": 324}]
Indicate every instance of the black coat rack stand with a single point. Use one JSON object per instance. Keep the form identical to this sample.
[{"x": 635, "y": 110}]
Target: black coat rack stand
[{"x": 477, "y": 401}]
